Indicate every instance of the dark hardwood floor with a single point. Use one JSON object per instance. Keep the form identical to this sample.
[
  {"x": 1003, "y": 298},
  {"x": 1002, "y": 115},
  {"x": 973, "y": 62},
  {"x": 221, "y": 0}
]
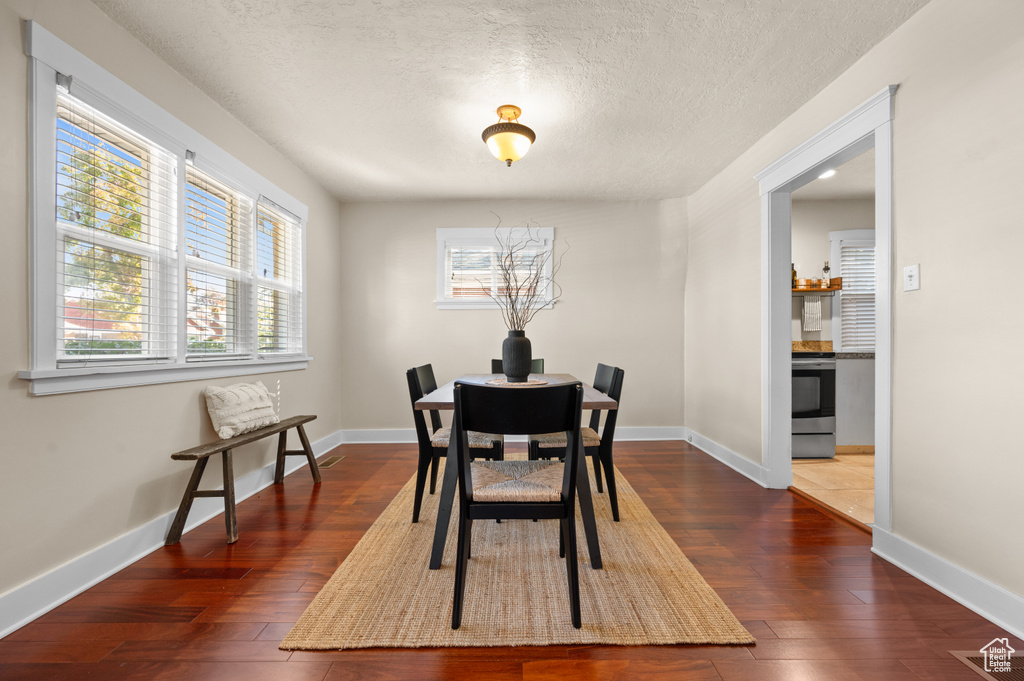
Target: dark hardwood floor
[{"x": 805, "y": 584}]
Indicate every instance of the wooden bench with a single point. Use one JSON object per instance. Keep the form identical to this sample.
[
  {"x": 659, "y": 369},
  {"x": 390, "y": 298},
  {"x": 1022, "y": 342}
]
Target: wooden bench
[{"x": 201, "y": 455}]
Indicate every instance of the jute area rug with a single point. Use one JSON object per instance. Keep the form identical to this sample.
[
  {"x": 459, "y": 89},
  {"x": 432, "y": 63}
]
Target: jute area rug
[{"x": 384, "y": 595}]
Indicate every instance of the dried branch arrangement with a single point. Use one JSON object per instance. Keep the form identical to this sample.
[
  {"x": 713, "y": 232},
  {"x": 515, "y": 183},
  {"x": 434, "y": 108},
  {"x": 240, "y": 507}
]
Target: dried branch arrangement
[{"x": 524, "y": 278}]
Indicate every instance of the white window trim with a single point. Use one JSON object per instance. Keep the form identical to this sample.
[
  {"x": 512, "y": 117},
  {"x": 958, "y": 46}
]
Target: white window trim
[
  {"x": 836, "y": 240},
  {"x": 49, "y": 56},
  {"x": 485, "y": 236}
]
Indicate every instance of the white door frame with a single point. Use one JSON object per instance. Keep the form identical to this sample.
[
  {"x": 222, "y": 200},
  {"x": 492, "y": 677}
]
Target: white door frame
[{"x": 868, "y": 126}]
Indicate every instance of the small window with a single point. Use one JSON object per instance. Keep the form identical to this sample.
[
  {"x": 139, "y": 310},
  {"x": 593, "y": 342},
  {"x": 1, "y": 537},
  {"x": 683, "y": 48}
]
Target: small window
[
  {"x": 469, "y": 263},
  {"x": 853, "y": 311}
]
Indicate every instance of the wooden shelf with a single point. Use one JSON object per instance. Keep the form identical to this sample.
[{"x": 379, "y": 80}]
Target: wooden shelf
[{"x": 834, "y": 285}]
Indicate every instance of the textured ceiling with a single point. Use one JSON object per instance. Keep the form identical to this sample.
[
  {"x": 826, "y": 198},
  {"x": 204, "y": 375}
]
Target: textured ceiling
[{"x": 630, "y": 99}]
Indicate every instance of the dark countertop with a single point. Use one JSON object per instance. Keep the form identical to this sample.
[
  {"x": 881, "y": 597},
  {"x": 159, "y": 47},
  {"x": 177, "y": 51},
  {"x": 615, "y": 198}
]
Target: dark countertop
[{"x": 855, "y": 355}]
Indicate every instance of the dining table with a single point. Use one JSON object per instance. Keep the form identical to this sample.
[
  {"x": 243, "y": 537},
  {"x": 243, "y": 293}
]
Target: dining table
[{"x": 443, "y": 399}]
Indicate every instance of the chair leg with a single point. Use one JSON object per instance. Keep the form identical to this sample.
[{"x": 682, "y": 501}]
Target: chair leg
[
  {"x": 597, "y": 471},
  {"x": 609, "y": 472},
  {"x": 434, "y": 463},
  {"x": 421, "y": 479},
  {"x": 461, "y": 563},
  {"x": 572, "y": 569},
  {"x": 561, "y": 539}
]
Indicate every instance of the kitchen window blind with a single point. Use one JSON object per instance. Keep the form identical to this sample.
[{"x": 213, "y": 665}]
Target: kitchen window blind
[
  {"x": 116, "y": 245},
  {"x": 857, "y": 298}
]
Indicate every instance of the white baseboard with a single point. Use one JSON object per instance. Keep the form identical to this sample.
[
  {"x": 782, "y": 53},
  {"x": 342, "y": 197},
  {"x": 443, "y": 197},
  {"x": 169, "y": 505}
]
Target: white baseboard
[
  {"x": 740, "y": 464},
  {"x": 26, "y": 602},
  {"x": 379, "y": 436},
  {"x": 408, "y": 435},
  {"x": 644, "y": 433},
  {"x": 991, "y": 601}
]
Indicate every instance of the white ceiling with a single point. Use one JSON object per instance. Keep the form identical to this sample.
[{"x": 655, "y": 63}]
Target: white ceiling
[
  {"x": 630, "y": 99},
  {"x": 855, "y": 179}
]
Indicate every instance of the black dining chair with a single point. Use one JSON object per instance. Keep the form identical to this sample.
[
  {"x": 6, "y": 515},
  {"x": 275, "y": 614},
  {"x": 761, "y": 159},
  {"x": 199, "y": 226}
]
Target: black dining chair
[
  {"x": 518, "y": 489},
  {"x": 433, "y": 439},
  {"x": 598, "y": 447},
  {"x": 536, "y": 366}
]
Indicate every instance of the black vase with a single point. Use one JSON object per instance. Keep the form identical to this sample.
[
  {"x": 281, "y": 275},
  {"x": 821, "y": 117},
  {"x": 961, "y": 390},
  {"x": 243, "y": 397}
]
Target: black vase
[{"x": 516, "y": 357}]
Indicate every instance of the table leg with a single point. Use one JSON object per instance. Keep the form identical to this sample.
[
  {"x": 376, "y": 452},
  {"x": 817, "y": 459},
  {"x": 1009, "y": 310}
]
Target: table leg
[
  {"x": 444, "y": 505},
  {"x": 587, "y": 509}
]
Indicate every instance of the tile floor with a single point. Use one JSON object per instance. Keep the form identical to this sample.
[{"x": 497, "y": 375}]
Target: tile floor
[{"x": 846, "y": 483}]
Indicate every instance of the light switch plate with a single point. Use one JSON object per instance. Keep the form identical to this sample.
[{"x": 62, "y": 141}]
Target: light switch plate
[{"x": 912, "y": 278}]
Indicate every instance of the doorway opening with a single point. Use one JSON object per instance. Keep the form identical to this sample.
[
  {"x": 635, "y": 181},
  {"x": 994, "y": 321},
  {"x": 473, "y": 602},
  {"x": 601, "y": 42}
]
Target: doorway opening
[
  {"x": 867, "y": 127},
  {"x": 833, "y": 332}
]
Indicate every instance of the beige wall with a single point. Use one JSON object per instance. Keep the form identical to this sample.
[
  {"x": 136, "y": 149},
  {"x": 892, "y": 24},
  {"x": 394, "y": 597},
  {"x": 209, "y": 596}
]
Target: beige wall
[
  {"x": 957, "y": 141},
  {"x": 82, "y": 469},
  {"x": 812, "y": 221},
  {"x": 622, "y": 279}
]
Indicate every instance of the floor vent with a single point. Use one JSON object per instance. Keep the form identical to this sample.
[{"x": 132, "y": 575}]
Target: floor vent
[
  {"x": 329, "y": 461},
  {"x": 976, "y": 661}
]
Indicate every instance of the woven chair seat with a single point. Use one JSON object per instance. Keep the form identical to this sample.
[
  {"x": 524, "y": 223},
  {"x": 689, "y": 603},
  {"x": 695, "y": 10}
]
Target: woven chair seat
[
  {"x": 557, "y": 440},
  {"x": 521, "y": 481},
  {"x": 442, "y": 437}
]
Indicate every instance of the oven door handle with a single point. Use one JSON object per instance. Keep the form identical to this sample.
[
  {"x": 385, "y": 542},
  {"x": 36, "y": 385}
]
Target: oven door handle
[{"x": 804, "y": 364}]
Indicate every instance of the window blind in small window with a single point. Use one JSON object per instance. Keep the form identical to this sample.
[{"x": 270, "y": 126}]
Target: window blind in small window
[
  {"x": 857, "y": 299},
  {"x": 279, "y": 279},
  {"x": 473, "y": 272},
  {"x": 218, "y": 256},
  {"x": 116, "y": 240}
]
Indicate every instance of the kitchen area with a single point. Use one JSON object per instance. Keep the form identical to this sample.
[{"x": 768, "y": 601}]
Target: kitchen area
[{"x": 833, "y": 340}]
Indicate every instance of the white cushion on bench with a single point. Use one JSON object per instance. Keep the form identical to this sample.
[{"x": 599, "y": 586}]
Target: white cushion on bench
[{"x": 239, "y": 408}]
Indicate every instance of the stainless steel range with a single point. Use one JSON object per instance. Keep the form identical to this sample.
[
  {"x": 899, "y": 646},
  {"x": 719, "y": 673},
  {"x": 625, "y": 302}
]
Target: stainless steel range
[{"x": 814, "y": 405}]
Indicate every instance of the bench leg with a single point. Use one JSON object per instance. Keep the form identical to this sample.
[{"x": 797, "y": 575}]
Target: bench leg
[
  {"x": 174, "y": 535},
  {"x": 282, "y": 442},
  {"x": 313, "y": 468},
  {"x": 230, "y": 522}
]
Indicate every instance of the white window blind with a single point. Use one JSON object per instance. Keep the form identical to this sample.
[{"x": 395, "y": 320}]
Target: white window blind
[
  {"x": 469, "y": 263},
  {"x": 279, "y": 279},
  {"x": 857, "y": 298},
  {"x": 219, "y": 262},
  {"x": 116, "y": 217}
]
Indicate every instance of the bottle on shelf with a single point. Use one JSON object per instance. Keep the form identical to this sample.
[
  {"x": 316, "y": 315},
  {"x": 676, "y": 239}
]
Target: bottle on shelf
[{"x": 825, "y": 280}]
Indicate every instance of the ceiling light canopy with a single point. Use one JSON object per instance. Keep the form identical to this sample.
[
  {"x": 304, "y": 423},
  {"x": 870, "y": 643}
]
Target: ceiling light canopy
[{"x": 508, "y": 139}]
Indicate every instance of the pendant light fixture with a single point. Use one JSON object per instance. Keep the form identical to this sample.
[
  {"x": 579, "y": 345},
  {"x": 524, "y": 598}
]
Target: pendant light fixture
[{"x": 508, "y": 139}]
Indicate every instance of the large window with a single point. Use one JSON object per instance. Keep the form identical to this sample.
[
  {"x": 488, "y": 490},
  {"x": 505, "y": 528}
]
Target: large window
[
  {"x": 115, "y": 236},
  {"x": 156, "y": 256},
  {"x": 468, "y": 266}
]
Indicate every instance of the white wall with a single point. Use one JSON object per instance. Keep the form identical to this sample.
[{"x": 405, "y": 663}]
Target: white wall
[
  {"x": 80, "y": 470},
  {"x": 622, "y": 281},
  {"x": 957, "y": 141},
  {"x": 812, "y": 221}
]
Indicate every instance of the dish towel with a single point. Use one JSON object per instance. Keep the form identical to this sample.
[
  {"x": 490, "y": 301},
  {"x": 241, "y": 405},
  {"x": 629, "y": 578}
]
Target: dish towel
[{"x": 812, "y": 313}]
